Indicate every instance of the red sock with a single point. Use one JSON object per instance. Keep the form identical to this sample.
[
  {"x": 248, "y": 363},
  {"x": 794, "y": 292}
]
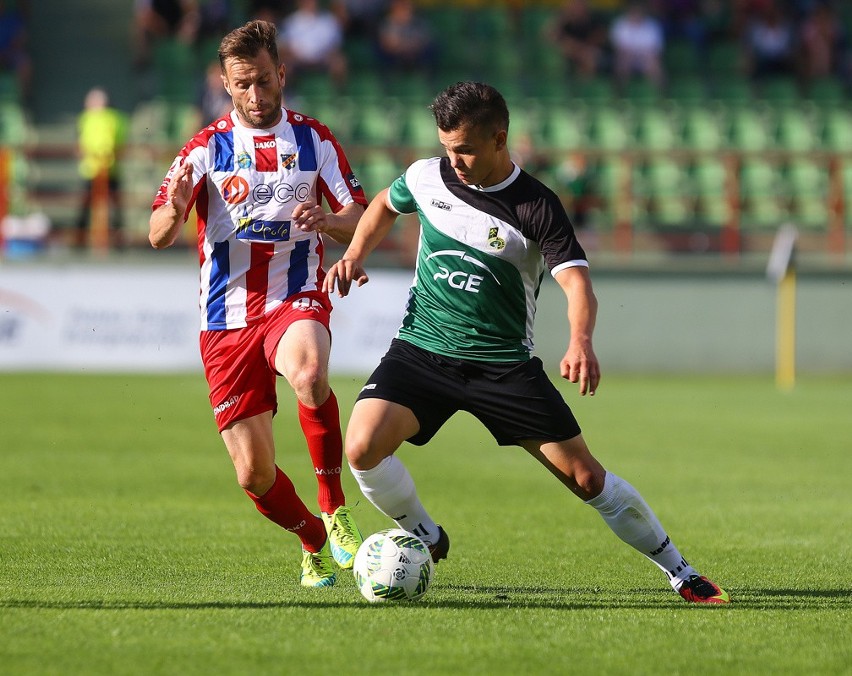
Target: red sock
[
  {"x": 281, "y": 505},
  {"x": 321, "y": 427}
]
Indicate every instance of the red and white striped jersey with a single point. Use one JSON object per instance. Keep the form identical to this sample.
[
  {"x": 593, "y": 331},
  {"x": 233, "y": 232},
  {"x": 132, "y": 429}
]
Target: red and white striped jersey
[{"x": 246, "y": 184}]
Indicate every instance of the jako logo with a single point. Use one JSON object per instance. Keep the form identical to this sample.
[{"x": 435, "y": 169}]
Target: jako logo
[
  {"x": 326, "y": 472},
  {"x": 225, "y": 405},
  {"x": 264, "y": 144},
  {"x": 298, "y": 526}
]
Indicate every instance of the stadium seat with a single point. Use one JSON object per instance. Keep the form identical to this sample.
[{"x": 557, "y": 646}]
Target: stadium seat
[
  {"x": 826, "y": 91},
  {"x": 838, "y": 129},
  {"x": 751, "y": 128},
  {"x": 377, "y": 170},
  {"x": 777, "y": 90},
  {"x": 377, "y": 122},
  {"x": 658, "y": 128},
  {"x": 611, "y": 128},
  {"x": 709, "y": 181},
  {"x": 797, "y": 129},
  {"x": 418, "y": 128},
  {"x": 705, "y": 128},
  {"x": 565, "y": 128}
]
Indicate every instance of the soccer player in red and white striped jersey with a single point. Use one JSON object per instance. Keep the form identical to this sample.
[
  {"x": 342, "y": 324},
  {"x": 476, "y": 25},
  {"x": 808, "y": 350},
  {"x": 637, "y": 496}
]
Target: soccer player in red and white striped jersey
[{"x": 257, "y": 178}]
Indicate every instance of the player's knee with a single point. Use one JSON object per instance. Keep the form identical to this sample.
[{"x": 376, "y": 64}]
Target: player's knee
[
  {"x": 590, "y": 481},
  {"x": 255, "y": 480},
  {"x": 310, "y": 383}
]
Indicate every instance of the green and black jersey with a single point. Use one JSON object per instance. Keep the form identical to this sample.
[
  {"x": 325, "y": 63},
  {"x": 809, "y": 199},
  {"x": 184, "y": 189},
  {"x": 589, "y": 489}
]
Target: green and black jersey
[{"x": 481, "y": 259}]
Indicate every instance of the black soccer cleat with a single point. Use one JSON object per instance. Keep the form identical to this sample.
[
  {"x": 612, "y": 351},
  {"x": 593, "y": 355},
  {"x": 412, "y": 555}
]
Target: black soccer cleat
[{"x": 441, "y": 548}]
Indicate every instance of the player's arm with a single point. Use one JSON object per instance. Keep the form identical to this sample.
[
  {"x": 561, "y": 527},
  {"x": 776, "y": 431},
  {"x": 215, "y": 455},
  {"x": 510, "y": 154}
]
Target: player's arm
[
  {"x": 580, "y": 365},
  {"x": 167, "y": 220},
  {"x": 374, "y": 225},
  {"x": 340, "y": 227}
]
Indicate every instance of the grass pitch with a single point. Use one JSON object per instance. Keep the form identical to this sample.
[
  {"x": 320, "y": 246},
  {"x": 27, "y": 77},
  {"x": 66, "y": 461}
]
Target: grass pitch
[{"x": 126, "y": 546}]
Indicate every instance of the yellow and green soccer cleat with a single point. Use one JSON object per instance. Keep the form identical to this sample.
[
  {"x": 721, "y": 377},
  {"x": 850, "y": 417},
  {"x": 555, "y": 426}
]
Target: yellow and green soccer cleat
[
  {"x": 317, "y": 569},
  {"x": 343, "y": 535}
]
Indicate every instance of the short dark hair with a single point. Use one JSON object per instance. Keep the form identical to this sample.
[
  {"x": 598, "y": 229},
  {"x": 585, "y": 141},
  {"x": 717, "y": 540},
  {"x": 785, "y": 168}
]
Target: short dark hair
[
  {"x": 470, "y": 104},
  {"x": 248, "y": 41}
]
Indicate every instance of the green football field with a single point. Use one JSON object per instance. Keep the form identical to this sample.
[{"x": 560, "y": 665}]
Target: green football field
[{"x": 126, "y": 546}]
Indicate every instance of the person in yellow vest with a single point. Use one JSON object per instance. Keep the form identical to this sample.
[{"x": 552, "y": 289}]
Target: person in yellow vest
[{"x": 102, "y": 134}]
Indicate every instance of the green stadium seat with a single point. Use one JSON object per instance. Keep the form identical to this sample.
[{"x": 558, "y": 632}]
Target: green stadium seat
[
  {"x": 797, "y": 129},
  {"x": 777, "y": 90},
  {"x": 705, "y": 128},
  {"x": 377, "y": 123},
  {"x": 611, "y": 128},
  {"x": 763, "y": 211},
  {"x": 418, "y": 128},
  {"x": 838, "y": 130},
  {"x": 687, "y": 89},
  {"x": 752, "y": 129},
  {"x": 681, "y": 58},
  {"x": 565, "y": 127},
  {"x": 826, "y": 91},
  {"x": 377, "y": 170},
  {"x": 658, "y": 128},
  {"x": 731, "y": 89}
]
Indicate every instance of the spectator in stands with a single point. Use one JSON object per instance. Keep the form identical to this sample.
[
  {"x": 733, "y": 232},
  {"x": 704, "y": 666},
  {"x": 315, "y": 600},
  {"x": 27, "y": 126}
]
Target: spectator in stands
[
  {"x": 15, "y": 59},
  {"x": 822, "y": 42},
  {"x": 684, "y": 20},
  {"x": 102, "y": 133},
  {"x": 769, "y": 43},
  {"x": 270, "y": 10},
  {"x": 637, "y": 41},
  {"x": 311, "y": 40},
  {"x": 581, "y": 37},
  {"x": 405, "y": 41},
  {"x": 214, "y": 101},
  {"x": 156, "y": 20},
  {"x": 361, "y": 18}
]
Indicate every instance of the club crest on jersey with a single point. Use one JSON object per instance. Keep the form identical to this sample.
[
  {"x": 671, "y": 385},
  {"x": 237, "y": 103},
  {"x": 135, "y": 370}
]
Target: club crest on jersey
[
  {"x": 289, "y": 161},
  {"x": 244, "y": 160},
  {"x": 494, "y": 240},
  {"x": 442, "y": 205}
]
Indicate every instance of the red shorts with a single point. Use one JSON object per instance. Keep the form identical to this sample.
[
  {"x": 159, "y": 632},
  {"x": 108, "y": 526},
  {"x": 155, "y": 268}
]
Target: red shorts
[{"x": 239, "y": 364}]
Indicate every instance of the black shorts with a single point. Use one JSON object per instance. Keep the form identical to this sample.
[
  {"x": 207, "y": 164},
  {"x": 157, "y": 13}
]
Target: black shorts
[{"x": 515, "y": 400}]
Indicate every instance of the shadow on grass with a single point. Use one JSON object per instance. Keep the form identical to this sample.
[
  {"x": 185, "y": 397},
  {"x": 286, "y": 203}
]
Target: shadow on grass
[{"x": 489, "y": 598}]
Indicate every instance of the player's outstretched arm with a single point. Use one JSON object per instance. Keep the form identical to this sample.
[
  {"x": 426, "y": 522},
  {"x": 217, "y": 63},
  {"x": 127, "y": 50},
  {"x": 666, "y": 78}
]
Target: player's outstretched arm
[
  {"x": 374, "y": 225},
  {"x": 580, "y": 365},
  {"x": 166, "y": 220}
]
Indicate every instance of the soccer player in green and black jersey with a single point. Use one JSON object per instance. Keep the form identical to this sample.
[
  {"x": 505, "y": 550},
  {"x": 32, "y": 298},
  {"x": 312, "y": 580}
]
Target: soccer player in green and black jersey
[{"x": 488, "y": 233}]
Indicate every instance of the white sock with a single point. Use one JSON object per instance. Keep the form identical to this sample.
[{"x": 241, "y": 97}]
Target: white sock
[
  {"x": 631, "y": 519},
  {"x": 390, "y": 488}
]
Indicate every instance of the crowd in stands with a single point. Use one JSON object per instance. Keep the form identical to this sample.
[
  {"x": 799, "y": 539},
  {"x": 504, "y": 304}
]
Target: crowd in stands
[
  {"x": 335, "y": 49},
  {"x": 799, "y": 39}
]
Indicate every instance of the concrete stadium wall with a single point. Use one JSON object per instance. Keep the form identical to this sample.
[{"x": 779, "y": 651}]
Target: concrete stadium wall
[
  {"x": 143, "y": 317},
  {"x": 704, "y": 323}
]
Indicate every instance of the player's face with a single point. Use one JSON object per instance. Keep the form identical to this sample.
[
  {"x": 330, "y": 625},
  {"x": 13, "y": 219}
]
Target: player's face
[
  {"x": 478, "y": 157},
  {"x": 255, "y": 88}
]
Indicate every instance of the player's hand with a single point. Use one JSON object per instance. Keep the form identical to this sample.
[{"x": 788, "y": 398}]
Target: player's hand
[
  {"x": 179, "y": 191},
  {"x": 342, "y": 274},
  {"x": 580, "y": 365},
  {"x": 308, "y": 217}
]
